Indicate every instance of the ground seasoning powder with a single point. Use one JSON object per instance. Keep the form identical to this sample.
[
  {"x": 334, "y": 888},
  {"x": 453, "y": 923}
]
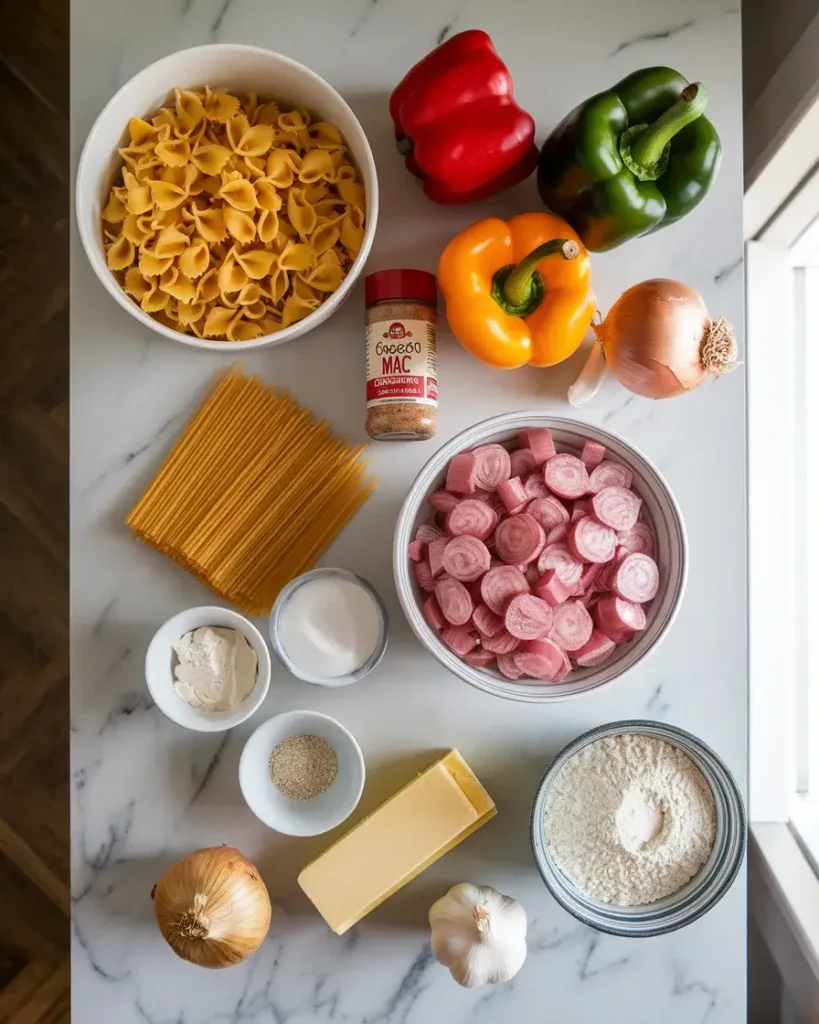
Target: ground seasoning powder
[
  {"x": 402, "y": 371},
  {"x": 303, "y": 767}
]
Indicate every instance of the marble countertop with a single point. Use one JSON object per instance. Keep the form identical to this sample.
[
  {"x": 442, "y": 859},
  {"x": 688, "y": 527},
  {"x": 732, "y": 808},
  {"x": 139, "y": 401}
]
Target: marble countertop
[{"x": 145, "y": 791}]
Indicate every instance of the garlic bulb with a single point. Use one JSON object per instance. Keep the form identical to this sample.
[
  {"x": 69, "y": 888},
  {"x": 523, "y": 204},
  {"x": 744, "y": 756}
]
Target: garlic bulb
[
  {"x": 212, "y": 907},
  {"x": 479, "y": 934}
]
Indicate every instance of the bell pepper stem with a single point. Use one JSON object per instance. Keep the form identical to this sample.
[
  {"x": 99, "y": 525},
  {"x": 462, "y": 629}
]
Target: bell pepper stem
[
  {"x": 404, "y": 145},
  {"x": 517, "y": 288},
  {"x": 648, "y": 147}
]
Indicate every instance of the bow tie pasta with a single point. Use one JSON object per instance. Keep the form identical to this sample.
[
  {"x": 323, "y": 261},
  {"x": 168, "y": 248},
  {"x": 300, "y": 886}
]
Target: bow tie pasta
[{"x": 230, "y": 218}]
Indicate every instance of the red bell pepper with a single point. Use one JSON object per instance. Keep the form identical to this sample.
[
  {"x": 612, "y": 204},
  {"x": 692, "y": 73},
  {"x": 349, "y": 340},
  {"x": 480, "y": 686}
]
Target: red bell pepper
[{"x": 458, "y": 125}]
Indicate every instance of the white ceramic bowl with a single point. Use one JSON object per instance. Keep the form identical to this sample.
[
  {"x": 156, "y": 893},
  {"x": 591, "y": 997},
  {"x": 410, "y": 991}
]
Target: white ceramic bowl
[
  {"x": 301, "y": 817},
  {"x": 239, "y": 69},
  {"x": 160, "y": 660},
  {"x": 569, "y": 435}
]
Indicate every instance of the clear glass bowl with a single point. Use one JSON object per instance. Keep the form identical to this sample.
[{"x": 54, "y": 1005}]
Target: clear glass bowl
[
  {"x": 569, "y": 435},
  {"x": 695, "y": 898}
]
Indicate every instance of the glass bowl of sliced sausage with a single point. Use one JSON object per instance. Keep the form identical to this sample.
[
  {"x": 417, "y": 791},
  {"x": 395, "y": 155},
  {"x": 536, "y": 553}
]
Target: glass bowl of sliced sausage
[{"x": 538, "y": 558}]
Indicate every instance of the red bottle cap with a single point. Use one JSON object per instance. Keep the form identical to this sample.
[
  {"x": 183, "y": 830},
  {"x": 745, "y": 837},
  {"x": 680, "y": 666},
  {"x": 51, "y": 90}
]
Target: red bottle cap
[{"x": 400, "y": 284}]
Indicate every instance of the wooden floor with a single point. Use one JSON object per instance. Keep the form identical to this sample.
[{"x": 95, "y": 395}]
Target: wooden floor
[{"x": 34, "y": 893}]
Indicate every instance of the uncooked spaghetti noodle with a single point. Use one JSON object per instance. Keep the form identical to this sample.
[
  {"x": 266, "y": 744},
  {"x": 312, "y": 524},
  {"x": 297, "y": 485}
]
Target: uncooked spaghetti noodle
[{"x": 252, "y": 493}]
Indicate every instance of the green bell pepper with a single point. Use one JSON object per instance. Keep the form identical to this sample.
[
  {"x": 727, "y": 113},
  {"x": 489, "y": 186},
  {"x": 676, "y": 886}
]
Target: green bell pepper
[{"x": 630, "y": 160}]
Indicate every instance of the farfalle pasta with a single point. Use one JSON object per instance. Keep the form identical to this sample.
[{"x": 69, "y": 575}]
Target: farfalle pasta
[{"x": 231, "y": 218}]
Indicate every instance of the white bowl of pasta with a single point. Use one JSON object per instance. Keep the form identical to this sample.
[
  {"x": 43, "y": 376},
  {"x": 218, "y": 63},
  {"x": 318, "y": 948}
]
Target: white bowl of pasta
[{"x": 227, "y": 197}]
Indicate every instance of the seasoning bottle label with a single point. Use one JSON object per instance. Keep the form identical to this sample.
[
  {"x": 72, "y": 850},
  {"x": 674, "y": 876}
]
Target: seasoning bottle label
[{"x": 401, "y": 363}]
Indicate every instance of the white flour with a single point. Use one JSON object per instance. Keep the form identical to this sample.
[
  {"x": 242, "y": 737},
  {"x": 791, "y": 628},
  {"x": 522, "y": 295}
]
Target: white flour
[{"x": 630, "y": 819}]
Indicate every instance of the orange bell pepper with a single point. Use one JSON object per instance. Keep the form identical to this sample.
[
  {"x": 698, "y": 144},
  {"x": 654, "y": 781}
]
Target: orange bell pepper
[{"x": 518, "y": 292}]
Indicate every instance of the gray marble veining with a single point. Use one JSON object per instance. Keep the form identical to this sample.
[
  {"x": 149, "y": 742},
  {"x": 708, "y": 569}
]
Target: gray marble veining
[{"x": 145, "y": 792}]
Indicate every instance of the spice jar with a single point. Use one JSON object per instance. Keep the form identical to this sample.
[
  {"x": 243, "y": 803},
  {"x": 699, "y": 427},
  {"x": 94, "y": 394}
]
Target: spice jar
[{"x": 402, "y": 370}]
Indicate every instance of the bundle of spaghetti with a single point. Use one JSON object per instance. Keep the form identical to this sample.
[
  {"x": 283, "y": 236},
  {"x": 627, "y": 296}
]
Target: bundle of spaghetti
[{"x": 252, "y": 493}]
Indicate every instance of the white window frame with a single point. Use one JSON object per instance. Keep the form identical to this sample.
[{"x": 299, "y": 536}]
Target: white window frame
[{"x": 782, "y": 270}]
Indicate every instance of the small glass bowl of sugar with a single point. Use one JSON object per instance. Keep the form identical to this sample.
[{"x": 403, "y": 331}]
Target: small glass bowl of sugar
[{"x": 329, "y": 627}]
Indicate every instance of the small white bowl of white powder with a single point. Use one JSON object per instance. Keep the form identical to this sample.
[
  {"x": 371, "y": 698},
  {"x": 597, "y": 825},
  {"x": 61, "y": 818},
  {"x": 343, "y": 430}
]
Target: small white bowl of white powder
[
  {"x": 329, "y": 627},
  {"x": 208, "y": 668},
  {"x": 638, "y": 828}
]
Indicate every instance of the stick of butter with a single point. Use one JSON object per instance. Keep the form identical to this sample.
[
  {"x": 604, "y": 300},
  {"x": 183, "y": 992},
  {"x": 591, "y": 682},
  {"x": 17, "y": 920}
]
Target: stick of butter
[{"x": 399, "y": 840}]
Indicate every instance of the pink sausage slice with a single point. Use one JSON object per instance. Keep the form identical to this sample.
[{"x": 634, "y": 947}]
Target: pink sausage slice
[
  {"x": 465, "y": 558},
  {"x": 501, "y": 584},
  {"x": 566, "y": 476},
  {"x": 523, "y": 462},
  {"x": 423, "y": 574},
  {"x": 542, "y": 444},
  {"x": 572, "y": 625},
  {"x": 459, "y": 639},
  {"x": 436, "y": 555},
  {"x": 548, "y": 511},
  {"x": 528, "y": 617},
  {"x": 619, "y": 620},
  {"x": 428, "y": 533},
  {"x": 559, "y": 558},
  {"x": 558, "y": 534},
  {"x": 443, "y": 501},
  {"x": 531, "y": 573},
  {"x": 461, "y": 473},
  {"x": 609, "y": 474},
  {"x": 415, "y": 549},
  {"x": 591, "y": 541},
  {"x": 595, "y": 651},
  {"x": 542, "y": 659},
  {"x": 501, "y": 643},
  {"x": 534, "y": 486},
  {"x": 492, "y": 466},
  {"x": 454, "y": 600},
  {"x": 480, "y": 658},
  {"x": 512, "y": 494},
  {"x": 638, "y": 540},
  {"x": 637, "y": 578},
  {"x": 473, "y": 518},
  {"x": 551, "y": 589},
  {"x": 432, "y": 613},
  {"x": 507, "y": 666},
  {"x": 486, "y": 621},
  {"x": 519, "y": 539},
  {"x": 592, "y": 455},
  {"x": 617, "y": 507}
]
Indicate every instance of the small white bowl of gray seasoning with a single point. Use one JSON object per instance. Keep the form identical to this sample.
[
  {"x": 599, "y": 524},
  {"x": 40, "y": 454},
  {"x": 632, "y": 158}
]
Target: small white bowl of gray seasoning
[
  {"x": 302, "y": 773},
  {"x": 208, "y": 668}
]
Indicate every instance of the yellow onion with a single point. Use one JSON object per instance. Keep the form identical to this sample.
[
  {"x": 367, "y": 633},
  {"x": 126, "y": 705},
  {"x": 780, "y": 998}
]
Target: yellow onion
[
  {"x": 212, "y": 907},
  {"x": 659, "y": 340}
]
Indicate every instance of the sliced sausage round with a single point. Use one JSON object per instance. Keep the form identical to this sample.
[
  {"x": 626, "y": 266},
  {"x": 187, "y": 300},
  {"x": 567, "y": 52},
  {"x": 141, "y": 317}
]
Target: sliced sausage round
[
  {"x": 542, "y": 444},
  {"x": 619, "y": 620},
  {"x": 486, "y": 621},
  {"x": 459, "y": 639},
  {"x": 592, "y": 455},
  {"x": 548, "y": 511},
  {"x": 523, "y": 462},
  {"x": 617, "y": 507},
  {"x": 639, "y": 540},
  {"x": 428, "y": 533},
  {"x": 501, "y": 643},
  {"x": 466, "y": 558},
  {"x": 591, "y": 541},
  {"x": 609, "y": 474},
  {"x": 424, "y": 575},
  {"x": 443, "y": 501},
  {"x": 519, "y": 539},
  {"x": 572, "y": 625},
  {"x": 558, "y": 534},
  {"x": 480, "y": 658},
  {"x": 460, "y": 474},
  {"x": 472, "y": 517},
  {"x": 535, "y": 487},
  {"x": 637, "y": 578},
  {"x": 566, "y": 476},
  {"x": 527, "y": 617},
  {"x": 500, "y": 584},
  {"x": 512, "y": 494},
  {"x": 595, "y": 651},
  {"x": 507, "y": 666},
  {"x": 454, "y": 600},
  {"x": 492, "y": 466},
  {"x": 559, "y": 558},
  {"x": 542, "y": 659}
]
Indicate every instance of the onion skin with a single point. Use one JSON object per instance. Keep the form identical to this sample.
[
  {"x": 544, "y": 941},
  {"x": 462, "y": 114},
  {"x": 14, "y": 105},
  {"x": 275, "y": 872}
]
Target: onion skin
[
  {"x": 653, "y": 339},
  {"x": 212, "y": 907}
]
